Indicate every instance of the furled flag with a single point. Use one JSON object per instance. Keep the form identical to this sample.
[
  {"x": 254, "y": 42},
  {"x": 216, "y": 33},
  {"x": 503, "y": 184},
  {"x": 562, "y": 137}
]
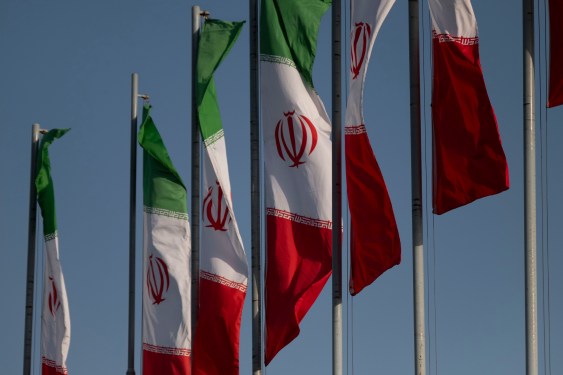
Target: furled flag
[
  {"x": 374, "y": 238},
  {"x": 555, "y": 96},
  {"x": 223, "y": 274},
  {"x": 166, "y": 260},
  {"x": 297, "y": 151},
  {"x": 55, "y": 318},
  {"x": 469, "y": 162}
]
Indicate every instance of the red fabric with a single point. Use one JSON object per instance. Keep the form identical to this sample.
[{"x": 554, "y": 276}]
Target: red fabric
[
  {"x": 555, "y": 95},
  {"x": 216, "y": 339},
  {"x": 375, "y": 245},
  {"x": 52, "y": 369},
  {"x": 469, "y": 162},
  {"x": 165, "y": 364},
  {"x": 298, "y": 265}
]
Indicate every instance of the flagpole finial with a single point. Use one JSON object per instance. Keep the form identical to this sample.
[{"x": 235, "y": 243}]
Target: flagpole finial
[
  {"x": 144, "y": 97},
  {"x": 205, "y": 14},
  {"x": 43, "y": 131}
]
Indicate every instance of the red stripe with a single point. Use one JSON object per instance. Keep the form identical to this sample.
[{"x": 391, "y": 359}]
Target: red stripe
[
  {"x": 52, "y": 370},
  {"x": 217, "y": 335},
  {"x": 555, "y": 96},
  {"x": 374, "y": 239},
  {"x": 469, "y": 162},
  {"x": 298, "y": 264},
  {"x": 165, "y": 364}
]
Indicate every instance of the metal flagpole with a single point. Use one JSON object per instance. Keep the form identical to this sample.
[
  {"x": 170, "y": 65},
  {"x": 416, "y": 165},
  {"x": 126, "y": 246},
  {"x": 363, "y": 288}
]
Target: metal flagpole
[
  {"x": 530, "y": 190},
  {"x": 255, "y": 194},
  {"x": 336, "y": 190},
  {"x": 132, "y": 222},
  {"x": 31, "y": 249},
  {"x": 416, "y": 186},
  {"x": 196, "y": 144}
]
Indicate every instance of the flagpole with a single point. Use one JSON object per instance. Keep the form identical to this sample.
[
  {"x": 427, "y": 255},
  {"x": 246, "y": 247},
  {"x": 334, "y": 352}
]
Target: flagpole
[
  {"x": 257, "y": 349},
  {"x": 416, "y": 187},
  {"x": 336, "y": 190},
  {"x": 196, "y": 145},
  {"x": 31, "y": 250},
  {"x": 132, "y": 223},
  {"x": 530, "y": 190}
]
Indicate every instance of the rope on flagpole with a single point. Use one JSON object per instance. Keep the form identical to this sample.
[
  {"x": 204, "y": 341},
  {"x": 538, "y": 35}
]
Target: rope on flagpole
[
  {"x": 430, "y": 255},
  {"x": 544, "y": 186},
  {"x": 349, "y": 300}
]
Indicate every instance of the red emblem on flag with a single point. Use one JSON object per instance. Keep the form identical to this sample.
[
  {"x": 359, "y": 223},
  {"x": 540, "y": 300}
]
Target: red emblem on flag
[
  {"x": 54, "y": 301},
  {"x": 361, "y": 35},
  {"x": 215, "y": 209},
  {"x": 292, "y": 137},
  {"x": 158, "y": 280}
]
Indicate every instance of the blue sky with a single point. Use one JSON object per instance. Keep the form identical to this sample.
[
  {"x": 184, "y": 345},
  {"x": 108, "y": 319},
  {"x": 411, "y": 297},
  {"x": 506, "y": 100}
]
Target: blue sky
[{"x": 68, "y": 64}]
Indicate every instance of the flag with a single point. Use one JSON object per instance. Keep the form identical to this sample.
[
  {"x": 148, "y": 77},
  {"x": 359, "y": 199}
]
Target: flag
[
  {"x": 223, "y": 275},
  {"x": 468, "y": 159},
  {"x": 55, "y": 317},
  {"x": 297, "y": 168},
  {"x": 555, "y": 95},
  {"x": 375, "y": 245},
  {"x": 166, "y": 260}
]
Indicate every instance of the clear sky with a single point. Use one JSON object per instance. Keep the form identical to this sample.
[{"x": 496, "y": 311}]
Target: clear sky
[{"x": 69, "y": 63}]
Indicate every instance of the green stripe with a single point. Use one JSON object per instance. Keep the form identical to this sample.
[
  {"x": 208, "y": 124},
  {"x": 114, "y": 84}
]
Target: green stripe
[
  {"x": 44, "y": 182},
  {"x": 162, "y": 186},
  {"x": 289, "y": 29},
  {"x": 216, "y": 40}
]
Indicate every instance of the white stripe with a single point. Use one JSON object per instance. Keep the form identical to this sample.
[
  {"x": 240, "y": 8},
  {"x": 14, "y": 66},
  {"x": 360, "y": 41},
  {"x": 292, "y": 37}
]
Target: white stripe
[
  {"x": 304, "y": 190},
  {"x": 372, "y": 13},
  {"x": 453, "y": 17},
  {"x": 167, "y": 324},
  {"x": 222, "y": 252},
  {"x": 55, "y": 327}
]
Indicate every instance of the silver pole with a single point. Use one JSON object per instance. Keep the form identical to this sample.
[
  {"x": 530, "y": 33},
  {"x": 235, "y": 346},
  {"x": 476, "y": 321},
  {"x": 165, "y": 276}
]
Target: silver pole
[
  {"x": 530, "y": 190},
  {"x": 255, "y": 193},
  {"x": 416, "y": 186},
  {"x": 132, "y": 223},
  {"x": 31, "y": 250},
  {"x": 196, "y": 144},
  {"x": 337, "y": 190}
]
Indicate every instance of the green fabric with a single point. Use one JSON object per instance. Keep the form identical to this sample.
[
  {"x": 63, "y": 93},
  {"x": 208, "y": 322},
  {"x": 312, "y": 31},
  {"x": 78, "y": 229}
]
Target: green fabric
[
  {"x": 215, "y": 42},
  {"x": 289, "y": 29},
  {"x": 162, "y": 186},
  {"x": 44, "y": 182}
]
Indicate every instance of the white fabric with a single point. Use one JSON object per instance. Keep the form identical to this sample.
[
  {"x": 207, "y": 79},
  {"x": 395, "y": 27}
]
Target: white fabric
[
  {"x": 55, "y": 327},
  {"x": 363, "y": 12},
  {"x": 168, "y": 323},
  {"x": 304, "y": 190},
  {"x": 222, "y": 252},
  {"x": 453, "y": 17}
]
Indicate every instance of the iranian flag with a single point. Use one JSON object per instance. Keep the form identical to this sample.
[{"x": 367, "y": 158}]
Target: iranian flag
[
  {"x": 375, "y": 245},
  {"x": 166, "y": 260},
  {"x": 468, "y": 159},
  {"x": 297, "y": 172},
  {"x": 223, "y": 271},
  {"x": 55, "y": 318},
  {"x": 555, "y": 95}
]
